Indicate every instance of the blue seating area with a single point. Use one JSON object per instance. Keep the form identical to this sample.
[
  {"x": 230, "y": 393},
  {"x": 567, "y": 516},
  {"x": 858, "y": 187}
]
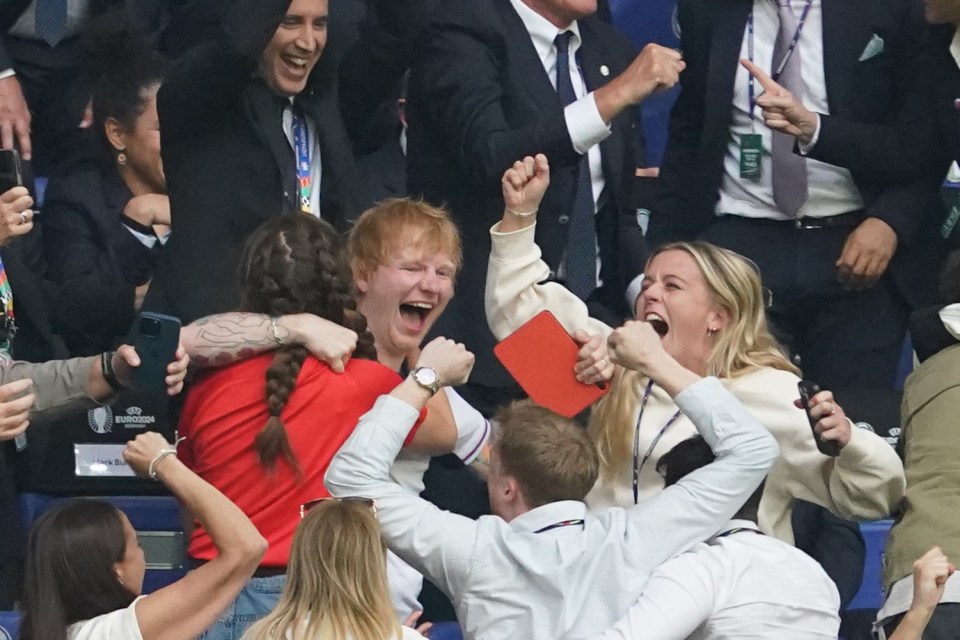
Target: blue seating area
[
  {"x": 9, "y": 625},
  {"x": 871, "y": 594}
]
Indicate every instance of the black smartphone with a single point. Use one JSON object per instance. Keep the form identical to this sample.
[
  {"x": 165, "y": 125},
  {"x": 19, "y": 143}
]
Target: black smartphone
[
  {"x": 156, "y": 337},
  {"x": 11, "y": 170},
  {"x": 807, "y": 391}
]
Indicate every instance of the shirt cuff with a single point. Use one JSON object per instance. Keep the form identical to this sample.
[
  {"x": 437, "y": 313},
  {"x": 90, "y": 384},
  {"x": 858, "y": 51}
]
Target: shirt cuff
[
  {"x": 587, "y": 129},
  {"x": 807, "y": 148},
  {"x": 510, "y": 245},
  {"x": 7, "y": 73},
  {"x": 148, "y": 241}
]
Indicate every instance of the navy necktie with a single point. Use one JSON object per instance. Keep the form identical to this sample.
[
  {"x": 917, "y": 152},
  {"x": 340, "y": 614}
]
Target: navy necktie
[
  {"x": 51, "y": 20},
  {"x": 581, "y": 253}
]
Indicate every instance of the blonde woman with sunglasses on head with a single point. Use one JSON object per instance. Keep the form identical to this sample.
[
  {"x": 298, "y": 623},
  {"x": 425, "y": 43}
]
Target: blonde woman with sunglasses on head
[{"x": 337, "y": 579}]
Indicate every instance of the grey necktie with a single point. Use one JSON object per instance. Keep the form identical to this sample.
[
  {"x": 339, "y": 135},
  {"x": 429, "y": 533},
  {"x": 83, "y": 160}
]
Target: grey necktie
[
  {"x": 789, "y": 172},
  {"x": 51, "y": 20}
]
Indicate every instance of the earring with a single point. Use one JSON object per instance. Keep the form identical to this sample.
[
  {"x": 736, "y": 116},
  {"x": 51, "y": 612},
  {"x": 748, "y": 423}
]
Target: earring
[
  {"x": 712, "y": 331},
  {"x": 122, "y": 158}
]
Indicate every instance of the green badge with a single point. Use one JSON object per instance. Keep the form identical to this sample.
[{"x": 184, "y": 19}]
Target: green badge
[{"x": 751, "y": 154}]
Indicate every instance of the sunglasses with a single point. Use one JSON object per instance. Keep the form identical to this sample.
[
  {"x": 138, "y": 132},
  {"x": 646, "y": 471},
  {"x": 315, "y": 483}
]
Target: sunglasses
[{"x": 310, "y": 504}]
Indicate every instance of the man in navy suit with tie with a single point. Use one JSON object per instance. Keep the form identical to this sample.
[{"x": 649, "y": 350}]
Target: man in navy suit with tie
[{"x": 503, "y": 79}]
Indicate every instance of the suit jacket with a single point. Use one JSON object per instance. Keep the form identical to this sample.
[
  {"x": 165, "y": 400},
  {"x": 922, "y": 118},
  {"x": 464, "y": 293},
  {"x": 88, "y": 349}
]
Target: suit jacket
[
  {"x": 93, "y": 257},
  {"x": 383, "y": 174},
  {"x": 479, "y": 100},
  {"x": 878, "y": 127},
  {"x": 228, "y": 164}
]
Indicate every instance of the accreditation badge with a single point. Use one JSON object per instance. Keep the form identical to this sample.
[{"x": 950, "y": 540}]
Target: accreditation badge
[{"x": 751, "y": 156}]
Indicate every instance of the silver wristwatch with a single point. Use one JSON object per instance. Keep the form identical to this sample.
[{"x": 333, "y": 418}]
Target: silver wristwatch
[{"x": 426, "y": 378}]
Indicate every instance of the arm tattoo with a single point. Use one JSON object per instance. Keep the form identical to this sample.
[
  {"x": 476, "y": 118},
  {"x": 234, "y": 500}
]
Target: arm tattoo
[{"x": 222, "y": 339}]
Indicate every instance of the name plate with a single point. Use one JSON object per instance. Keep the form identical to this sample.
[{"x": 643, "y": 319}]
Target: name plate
[{"x": 101, "y": 461}]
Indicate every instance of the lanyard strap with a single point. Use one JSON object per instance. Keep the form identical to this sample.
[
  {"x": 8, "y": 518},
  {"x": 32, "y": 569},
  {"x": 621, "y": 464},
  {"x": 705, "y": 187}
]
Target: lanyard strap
[
  {"x": 730, "y": 532},
  {"x": 557, "y": 525},
  {"x": 301, "y": 143},
  {"x": 778, "y": 71},
  {"x": 637, "y": 462},
  {"x": 8, "y": 326}
]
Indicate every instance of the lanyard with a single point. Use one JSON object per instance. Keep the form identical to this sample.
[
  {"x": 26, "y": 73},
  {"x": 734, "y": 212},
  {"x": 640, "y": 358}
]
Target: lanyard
[
  {"x": 775, "y": 76},
  {"x": 8, "y": 327},
  {"x": 637, "y": 462},
  {"x": 557, "y": 525},
  {"x": 737, "y": 530},
  {"x": 301, "y": 143}
]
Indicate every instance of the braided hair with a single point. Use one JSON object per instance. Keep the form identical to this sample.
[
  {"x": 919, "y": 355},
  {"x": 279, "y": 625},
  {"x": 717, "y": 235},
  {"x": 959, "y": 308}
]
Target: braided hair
[{"x": 296, "y": 264}]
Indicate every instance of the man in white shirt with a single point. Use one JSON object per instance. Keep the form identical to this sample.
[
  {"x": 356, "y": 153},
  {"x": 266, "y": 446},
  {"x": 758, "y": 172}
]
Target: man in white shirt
[
  {"x": 740, "y": 584},
  {"x": 544, "y": 568}
]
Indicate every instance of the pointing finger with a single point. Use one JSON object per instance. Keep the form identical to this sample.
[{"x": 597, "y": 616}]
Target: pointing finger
[{"x": 765, "y": 81}]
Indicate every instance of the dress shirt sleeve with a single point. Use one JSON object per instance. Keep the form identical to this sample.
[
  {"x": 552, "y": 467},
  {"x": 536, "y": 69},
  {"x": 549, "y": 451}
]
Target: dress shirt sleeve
[
  {"x": 437, "y": 543},
  {"x": 517, "y": 291},
  {"x": 677, "y": 599},
  {"x": 864, "y": 482},
  {"x": 701, "y": 503},
  {"x": 808, "y": 147},
  {"x": 584, "y": 123}
]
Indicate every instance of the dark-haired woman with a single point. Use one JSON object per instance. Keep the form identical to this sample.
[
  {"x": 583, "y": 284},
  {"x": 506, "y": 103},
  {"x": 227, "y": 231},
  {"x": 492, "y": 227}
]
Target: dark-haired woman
[
  {"x": 264, "y": 430},
  {"x": 84, "y": 571},
  {"x": 105, "y": 217}
]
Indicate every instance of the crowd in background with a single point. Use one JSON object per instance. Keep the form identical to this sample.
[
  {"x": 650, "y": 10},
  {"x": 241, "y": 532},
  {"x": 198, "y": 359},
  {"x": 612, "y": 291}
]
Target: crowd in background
[{"x": 305, "y": 185}]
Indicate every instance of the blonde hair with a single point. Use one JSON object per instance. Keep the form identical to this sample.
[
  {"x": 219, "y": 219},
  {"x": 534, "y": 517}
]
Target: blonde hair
[
  {"x": 336, "y": 584},
  {"x": 381, "y": 229},
  {"x": 743, "y": 344}
]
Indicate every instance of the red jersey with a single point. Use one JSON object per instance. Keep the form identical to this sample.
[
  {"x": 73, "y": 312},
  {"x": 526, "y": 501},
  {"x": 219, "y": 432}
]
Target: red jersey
[{"x": 226, "y": 409}]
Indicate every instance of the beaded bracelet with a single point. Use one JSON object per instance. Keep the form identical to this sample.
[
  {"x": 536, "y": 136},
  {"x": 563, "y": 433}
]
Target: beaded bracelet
[{"x": 106, "y": 370}]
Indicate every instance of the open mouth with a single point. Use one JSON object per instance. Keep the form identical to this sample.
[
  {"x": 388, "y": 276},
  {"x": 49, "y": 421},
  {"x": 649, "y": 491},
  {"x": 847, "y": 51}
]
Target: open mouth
[
  {"x": 658, "y": 323},
  {"x": 415, "y": 315},
  {"x": 296, "y": 64}
]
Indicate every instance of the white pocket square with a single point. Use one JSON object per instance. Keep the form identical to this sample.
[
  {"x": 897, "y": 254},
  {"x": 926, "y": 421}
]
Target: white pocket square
[{"x": 873, "y": 48}]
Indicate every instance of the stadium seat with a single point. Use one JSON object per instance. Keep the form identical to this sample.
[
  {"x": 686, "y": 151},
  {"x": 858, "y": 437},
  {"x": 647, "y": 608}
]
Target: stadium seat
[
  {"x": 9, "y": 625},
  {"x": 156, "y": 520},
  {"x": 871, "y": 595},
  {"x": 446, "y": 631}
]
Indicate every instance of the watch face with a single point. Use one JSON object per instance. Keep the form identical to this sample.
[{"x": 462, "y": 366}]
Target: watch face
[{"x": 426, "y": 377}]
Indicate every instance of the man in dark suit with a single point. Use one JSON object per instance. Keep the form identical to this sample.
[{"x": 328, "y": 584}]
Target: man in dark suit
[
  {"x": 498, "y": 81},
  {"x": 835, "y": 232},
  {"x": 252, "y": 127}
]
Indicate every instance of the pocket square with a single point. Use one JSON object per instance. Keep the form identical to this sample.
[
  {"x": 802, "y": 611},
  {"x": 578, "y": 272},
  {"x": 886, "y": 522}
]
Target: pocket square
[{"x": 873, "y": 48}]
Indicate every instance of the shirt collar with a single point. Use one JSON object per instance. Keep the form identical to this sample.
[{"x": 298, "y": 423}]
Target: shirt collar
[
  {"x": 955, "y": 47},
  {"x": 548, "y": 514},
  {"x": 542, "y": 31},
  {"x": 950, "y": 316}
]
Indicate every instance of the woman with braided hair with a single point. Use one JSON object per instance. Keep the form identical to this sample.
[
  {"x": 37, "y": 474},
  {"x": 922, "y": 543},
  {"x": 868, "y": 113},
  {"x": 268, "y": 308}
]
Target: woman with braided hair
[{"x": 264, "y": 429}]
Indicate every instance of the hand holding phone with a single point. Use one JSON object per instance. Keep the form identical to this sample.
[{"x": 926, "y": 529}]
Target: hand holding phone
[
  {"x": 156, "y": 337},
  {"x": 807, "y": 390}
]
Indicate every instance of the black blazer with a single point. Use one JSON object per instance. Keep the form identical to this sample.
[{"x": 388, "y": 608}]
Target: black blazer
[
  {"x": 879, "y": 126},
  {"x": 93, "y": 257},
  {"x": 383, "y": 174},
  {"x": 479, "y": 100},
  {"x": 228, "y": 164}
]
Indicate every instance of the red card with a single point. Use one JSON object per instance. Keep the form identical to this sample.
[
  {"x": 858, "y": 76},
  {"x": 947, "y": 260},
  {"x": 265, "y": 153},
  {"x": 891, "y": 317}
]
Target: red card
[{"x": 540, "y": 356}]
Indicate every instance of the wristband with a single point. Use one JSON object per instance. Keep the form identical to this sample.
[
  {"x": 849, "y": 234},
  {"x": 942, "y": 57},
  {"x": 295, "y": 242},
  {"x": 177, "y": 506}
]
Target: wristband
[
  {"x": 106, "y": 369},
  {"x": 275, "y": 325},
  {"x": 152, "y": 469},
  {"x": 520, "y": 214}
]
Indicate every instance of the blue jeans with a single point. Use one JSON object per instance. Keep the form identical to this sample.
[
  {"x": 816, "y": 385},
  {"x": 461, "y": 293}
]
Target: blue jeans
[{"x": 255, "y": 600}]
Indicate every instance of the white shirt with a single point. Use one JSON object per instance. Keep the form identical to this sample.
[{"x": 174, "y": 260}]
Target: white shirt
[
  {"x": 831, "y": 189},
  {"x": 25, "y": 26},
  {"x": 955, "y": 47},
  {"x": 739, "y": 586},
  {"x": 316, "y": 172},
  {"x": 473, "y": 431},
  {"x": 584, "y": 123},
  {"x": 506, "y": 580},
  {"x": 117, "y": 625}
]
